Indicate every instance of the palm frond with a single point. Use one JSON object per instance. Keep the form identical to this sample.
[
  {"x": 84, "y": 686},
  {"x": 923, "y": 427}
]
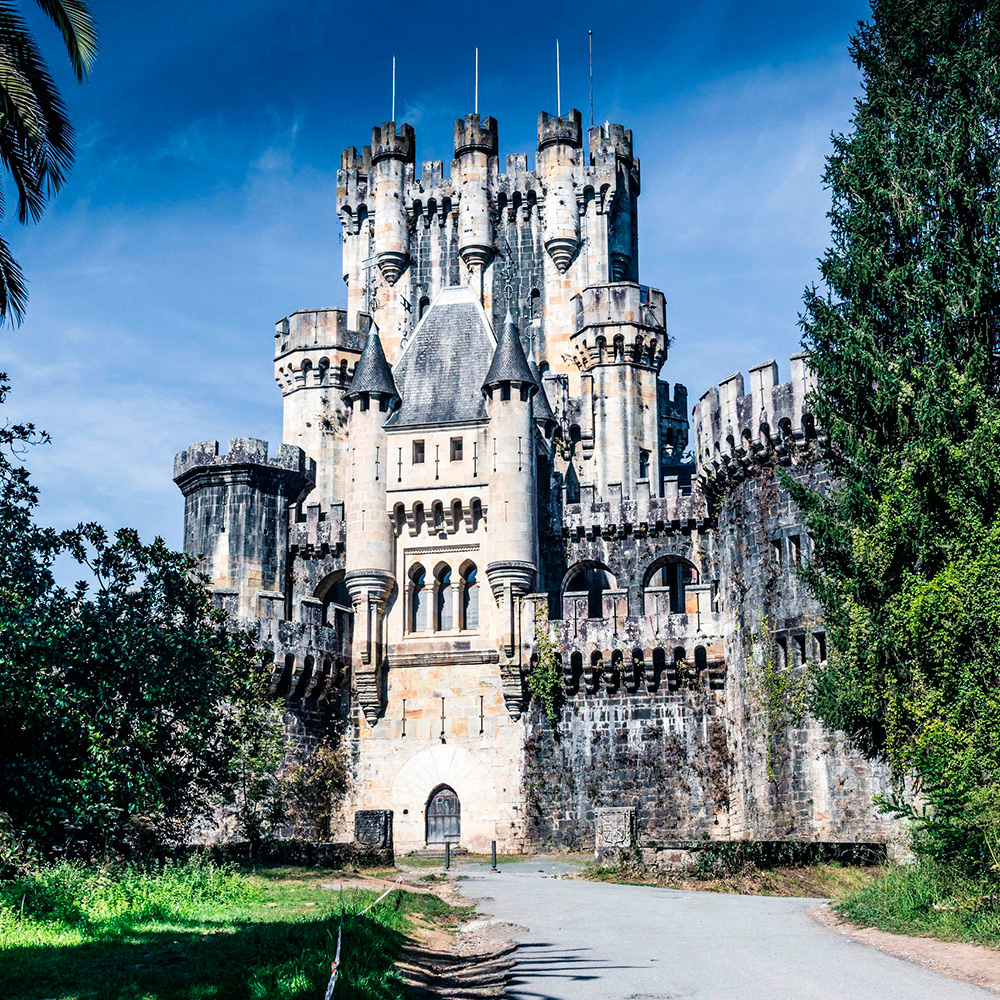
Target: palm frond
[
  {"x": 79, "y": 32},
  {"x": 13, "y": 287}
]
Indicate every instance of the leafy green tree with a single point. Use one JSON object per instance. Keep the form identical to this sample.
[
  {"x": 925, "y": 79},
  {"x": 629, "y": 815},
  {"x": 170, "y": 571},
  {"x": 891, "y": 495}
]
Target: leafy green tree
[
  {"x": 128, "y": 710},
  {"x": 904, "y": 342},
  {"x": 36, "y": 137}
]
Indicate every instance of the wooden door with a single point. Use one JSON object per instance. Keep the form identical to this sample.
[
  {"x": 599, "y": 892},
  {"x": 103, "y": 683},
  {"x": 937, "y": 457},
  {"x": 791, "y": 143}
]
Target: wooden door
[{"x": 444, "y": 817}]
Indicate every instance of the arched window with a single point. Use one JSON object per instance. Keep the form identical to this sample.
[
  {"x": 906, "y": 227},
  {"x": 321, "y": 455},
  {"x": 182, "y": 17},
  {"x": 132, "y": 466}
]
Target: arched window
[
  {"x": 536, "y": 303},
  {"x": 470, "y": 596},
  {"x": 418, "y": 599},
  {"x": 445, "y": 609},
  {"x": 673, "y": 575},
  {"x": 592, "y": 579},
  {"x": 425, "y": 304}
]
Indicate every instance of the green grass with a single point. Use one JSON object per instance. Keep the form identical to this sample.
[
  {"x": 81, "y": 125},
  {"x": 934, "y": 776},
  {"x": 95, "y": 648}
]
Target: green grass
[
  {"x": 902, "y": 900},
  {"x": 198, "y": 931}
]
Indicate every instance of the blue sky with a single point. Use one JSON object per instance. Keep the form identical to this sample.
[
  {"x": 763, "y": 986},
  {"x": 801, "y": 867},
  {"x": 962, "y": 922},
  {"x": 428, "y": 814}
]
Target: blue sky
[{"x": 201, "y": 207}]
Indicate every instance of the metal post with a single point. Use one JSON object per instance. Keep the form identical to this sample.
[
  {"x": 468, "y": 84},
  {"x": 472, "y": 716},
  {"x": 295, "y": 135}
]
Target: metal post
[
  {"x": 447, "y": 855},
  {"x": 493, "y": 854},
  {"x": 558, "y": 85}
]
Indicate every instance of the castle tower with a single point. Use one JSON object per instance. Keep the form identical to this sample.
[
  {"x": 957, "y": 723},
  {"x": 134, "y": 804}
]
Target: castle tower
[
  {"x": 474, "y": 170},
  {"x": 621, "y": 343},
  {"x": 369, "y": 578},
  {"x": 236, "y": 517},
  {"x": 611, "y": 153},
  {"x": 314, "y": 356},
  {"x": 509, "y": 388}
]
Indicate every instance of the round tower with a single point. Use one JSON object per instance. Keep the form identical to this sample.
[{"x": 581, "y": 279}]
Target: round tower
[
  {"x": 372, "y": 397},
  {"x": 559, "y": 151},
  {"x": 509, "y": 388},
  {"x": 236, "y": 518},
  {"x": 476, "y": 145},
  {"x": 392, "y": 151}
]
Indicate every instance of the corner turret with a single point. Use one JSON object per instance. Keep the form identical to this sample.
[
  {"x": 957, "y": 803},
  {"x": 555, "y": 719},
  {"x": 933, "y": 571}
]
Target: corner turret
[
  {"x": 391, "y": 163},
  {"x": 369, "y": 578}
]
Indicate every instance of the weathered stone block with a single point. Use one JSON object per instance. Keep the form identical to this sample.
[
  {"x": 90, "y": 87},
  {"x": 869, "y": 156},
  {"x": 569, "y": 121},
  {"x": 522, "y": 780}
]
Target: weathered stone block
[{"x": 373, "y": 828}]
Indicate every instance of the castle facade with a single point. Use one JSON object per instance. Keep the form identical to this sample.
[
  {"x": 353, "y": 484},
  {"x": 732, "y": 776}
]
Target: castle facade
[{"x": 481, "y": 468}]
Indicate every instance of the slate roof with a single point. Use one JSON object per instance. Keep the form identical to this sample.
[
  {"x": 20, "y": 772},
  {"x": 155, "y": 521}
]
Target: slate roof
[
  {"x": 441, "y": 370},
  {"x": 509, "y": 363},
  {"x": 372, "y": 373},
  {"x": 541, "y": 408}
]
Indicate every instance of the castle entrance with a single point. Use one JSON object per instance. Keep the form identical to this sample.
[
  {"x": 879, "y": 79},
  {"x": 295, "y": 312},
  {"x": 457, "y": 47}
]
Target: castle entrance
[{"x": 444, "y": 817}]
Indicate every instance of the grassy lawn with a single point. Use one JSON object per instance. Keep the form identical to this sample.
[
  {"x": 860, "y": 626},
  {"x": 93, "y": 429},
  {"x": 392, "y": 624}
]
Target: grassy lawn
[
  {"x": 193, "y": 931},
  {"x": 821, "y": 881},
  {"x": 925, "y": 899}
]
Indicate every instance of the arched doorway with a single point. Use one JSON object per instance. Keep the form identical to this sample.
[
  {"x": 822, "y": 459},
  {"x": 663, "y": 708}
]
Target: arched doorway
[{"x": 444, "y": 816}]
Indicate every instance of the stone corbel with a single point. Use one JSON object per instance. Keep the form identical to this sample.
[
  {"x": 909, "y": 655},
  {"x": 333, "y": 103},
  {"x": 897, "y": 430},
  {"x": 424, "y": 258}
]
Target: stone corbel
[{"x": 369, "y": 590}]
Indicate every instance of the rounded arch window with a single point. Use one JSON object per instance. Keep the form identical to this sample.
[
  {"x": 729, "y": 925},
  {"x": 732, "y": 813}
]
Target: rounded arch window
[
  {"x": 593, "y": 579},
  {"x": 444, "y": 599},
  {"x": 470, "y": 596},
  {"x": 418, "y": 599},
  {"x": 666, "y": 582}
]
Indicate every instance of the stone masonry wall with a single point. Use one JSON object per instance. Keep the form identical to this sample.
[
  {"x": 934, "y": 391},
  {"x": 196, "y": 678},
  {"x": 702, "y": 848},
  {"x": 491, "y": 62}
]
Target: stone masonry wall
[
  {"x": 665, "y": 755},
  {"x": 793, "y": 779}
]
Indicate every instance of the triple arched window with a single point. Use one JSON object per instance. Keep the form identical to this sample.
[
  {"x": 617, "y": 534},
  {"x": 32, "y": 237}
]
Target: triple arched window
[{"x": 445, "y": 603}]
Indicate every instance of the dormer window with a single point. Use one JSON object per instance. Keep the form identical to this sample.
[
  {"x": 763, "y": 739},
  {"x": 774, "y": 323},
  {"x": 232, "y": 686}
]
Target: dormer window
[{"x": 418, "y": 452}]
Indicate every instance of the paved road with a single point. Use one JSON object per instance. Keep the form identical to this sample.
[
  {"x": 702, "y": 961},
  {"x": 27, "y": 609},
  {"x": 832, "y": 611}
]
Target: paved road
[{"x": 618, "y": 942}]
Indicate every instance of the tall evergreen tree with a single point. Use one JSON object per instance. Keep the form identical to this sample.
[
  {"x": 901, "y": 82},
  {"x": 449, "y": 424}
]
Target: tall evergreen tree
[{"x": 904, "y": 342}]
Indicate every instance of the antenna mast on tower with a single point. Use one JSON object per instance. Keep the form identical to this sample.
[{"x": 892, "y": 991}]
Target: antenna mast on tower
[
  {"x": 393, "y": 88},
  {"x": 476, "y": 109},
  {"x": 590, "y": 38},
  {"x": 558, "y": 85}
]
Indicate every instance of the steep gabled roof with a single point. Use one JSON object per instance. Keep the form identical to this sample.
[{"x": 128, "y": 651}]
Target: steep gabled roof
[
  {"x": 442, "y": 366},
  {"x": 372, "y": 373},
  {"x": 509, "y": 363}
]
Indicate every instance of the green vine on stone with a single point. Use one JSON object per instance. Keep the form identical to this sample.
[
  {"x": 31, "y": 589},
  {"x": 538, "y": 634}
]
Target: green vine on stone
[
  {"x": 778, "y": 692},
  {"x": 545, "y": 676}
]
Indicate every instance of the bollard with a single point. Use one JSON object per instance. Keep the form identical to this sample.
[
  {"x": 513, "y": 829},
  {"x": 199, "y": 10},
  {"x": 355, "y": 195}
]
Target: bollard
[
  {"x": 493, "y": 854},
  {"x": 447, "y": 855}
]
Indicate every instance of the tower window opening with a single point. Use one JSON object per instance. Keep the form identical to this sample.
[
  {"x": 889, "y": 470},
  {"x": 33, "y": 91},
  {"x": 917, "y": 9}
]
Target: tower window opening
[
  {"x": 536, "y": 303},
  {"x": 643, "y": 464},
  {"x": 418, "y": 452},
  {"x": 505, "y": 391},
  {"x": 418, "y": 599},
  {"x": 443, "y": 596},
  {"x": 776, "y": 549},
  {"x": 821, "y": 647},
  {"x": 794, "y": 549},
  {"x": 456, "y": 449},
  {"x": 423, "y": 307},
  {"x": 470, "y": 597}
]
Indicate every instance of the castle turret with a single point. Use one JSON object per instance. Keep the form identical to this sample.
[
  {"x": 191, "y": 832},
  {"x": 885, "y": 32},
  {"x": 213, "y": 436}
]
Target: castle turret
[
  {"x": 559, "y": 141},
  {"x": 392, "y": 151},
  {"x": 509, "y": 388},
  {"x": 369, "y": 579},
  {"x": 475, "y": 163},
  {"x": 611, "y": 153},
  {"x": 236, "y": 517}
]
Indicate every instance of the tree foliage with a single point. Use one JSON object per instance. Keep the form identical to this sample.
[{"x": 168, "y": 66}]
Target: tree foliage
[
  {"x": 127, "y": 708},
  {"x": 36, "y": 137},
  {"x": 904, "y": 345}
]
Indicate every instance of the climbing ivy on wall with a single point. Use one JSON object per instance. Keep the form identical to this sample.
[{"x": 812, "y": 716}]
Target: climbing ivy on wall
[
  {"x": 545, "y": 676},
  {"x": 777, "y": 692}
]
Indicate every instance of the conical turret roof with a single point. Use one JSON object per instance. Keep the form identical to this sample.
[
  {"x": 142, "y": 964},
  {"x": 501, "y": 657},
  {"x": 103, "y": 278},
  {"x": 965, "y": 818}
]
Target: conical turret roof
[
  {"x": 509, "y": 363},
  {"x": 372, "y": 374}
]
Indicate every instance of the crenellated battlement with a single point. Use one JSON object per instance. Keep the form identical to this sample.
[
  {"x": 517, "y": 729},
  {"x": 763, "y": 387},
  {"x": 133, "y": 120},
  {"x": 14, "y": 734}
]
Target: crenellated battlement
[
  {"x": 475, "y": 134},
  {"x": 610, "y": 138},
  {"x": 616, "y": 514},
  {"x": 314, "y": 349},
  {"x": 734, "y": 429},
  {"x": 201, "y": 464},
  {"x": 313, "y": 531},
  {"x": 554, "y": 130},
  {"x": 620, "y": 322},
  {"x": 388, "y": 143}
]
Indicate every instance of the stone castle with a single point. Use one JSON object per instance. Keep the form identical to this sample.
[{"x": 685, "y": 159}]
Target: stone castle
[{"x": 481, "y": 467}]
